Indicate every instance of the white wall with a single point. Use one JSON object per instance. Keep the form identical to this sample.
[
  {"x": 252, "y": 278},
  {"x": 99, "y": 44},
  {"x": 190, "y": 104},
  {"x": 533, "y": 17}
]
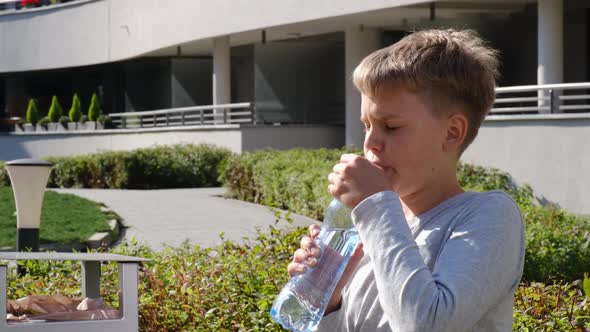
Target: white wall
[
  {"x": 112, "y": 30},
  {"x": 550, "y": 153},
  {"x": 292, "y": 136},
  {"x": 16, "y": 146}
]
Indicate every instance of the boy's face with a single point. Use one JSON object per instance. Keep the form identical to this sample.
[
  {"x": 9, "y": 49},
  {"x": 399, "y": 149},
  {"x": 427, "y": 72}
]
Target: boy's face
[{"x": 405, "y": 138}]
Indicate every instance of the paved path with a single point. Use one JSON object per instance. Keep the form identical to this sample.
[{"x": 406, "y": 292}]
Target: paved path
[{"x": 170, "y": 216}]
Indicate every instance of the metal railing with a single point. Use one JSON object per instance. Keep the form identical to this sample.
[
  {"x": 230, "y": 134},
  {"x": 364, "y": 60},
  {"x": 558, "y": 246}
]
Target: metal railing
[
  {"x": 237, "y": 113},
  {"x": 542, "y": 99}
]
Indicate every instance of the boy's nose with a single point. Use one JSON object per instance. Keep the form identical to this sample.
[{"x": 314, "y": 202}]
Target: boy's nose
[{"x": 373, "y": 141}]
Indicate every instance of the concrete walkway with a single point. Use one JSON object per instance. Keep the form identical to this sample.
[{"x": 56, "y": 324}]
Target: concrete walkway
[{"x": 159, "y": 217}]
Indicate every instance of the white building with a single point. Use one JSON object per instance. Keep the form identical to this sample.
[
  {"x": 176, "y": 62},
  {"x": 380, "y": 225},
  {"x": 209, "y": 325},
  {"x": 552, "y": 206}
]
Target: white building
[{"x": 292, "y": 60}]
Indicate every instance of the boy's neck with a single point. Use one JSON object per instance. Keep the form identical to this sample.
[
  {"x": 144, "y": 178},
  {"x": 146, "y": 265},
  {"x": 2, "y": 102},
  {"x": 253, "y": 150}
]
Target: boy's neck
[{"x": 428, "y": 197}]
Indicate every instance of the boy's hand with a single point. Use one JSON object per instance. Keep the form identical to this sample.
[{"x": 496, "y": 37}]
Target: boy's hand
[
  {"x": 356, "y": 178},
  {"x": 309, "y": 254}
]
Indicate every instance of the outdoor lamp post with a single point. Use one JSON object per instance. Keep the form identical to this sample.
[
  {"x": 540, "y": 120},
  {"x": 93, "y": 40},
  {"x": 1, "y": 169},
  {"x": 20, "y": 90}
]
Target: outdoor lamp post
[{"x": 29, "y": 179}]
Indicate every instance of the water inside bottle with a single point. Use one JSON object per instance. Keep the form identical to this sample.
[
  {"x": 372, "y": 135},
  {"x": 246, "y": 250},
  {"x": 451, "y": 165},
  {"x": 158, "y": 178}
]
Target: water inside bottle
[{"x": 302, "y": 302}]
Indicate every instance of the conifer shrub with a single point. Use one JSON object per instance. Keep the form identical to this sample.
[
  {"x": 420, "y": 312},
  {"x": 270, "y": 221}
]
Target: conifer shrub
[
  {"x": 75, "y": 112},
  {"x": 55, "y": 110},
  {"x": 32, "y": 115},
  {"x": 94, "y": 110}
]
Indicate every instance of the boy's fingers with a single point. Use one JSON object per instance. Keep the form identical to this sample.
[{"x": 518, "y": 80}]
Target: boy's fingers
[
  {"x": 338, "y": 168},
  {"x": 349, "y": 157},
  {"x": 300, "y": 255},
  {"x": 358, "y": 251},
  {"x": 314, "y": 230},
  {"x": 295, "y": 269},
  {"x": 306, "y": 243}
]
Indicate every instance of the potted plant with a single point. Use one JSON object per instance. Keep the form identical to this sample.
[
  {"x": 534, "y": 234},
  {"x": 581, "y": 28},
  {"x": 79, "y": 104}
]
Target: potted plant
[
  {"x": 19, "y": 126},
  {"x": 75, "y": 113},
  {"x": 54, "y": 115},
  {"x": 63, "y": 123},
  {"x": 103, "y": 121},
  {"x": 32, "y": 116},
  {"x": 43, "y": 124},
  {"x": 94, "y": 112}
]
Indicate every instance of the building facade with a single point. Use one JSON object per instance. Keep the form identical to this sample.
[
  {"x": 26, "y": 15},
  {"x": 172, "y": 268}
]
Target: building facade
[{"x": 292, "y": 59}]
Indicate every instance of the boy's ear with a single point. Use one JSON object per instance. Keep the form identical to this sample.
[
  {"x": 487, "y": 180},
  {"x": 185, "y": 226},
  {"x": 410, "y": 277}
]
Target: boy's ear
[{"x": 457, "y": 125}]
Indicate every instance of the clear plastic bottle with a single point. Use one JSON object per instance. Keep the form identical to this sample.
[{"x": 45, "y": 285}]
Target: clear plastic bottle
[{"x": 302, "y": 302}]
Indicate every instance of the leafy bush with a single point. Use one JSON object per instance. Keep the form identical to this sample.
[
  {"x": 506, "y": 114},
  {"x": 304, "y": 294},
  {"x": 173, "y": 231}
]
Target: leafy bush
[
  {"x": 55, "y": 110},
  {"x": 32, "y": 115},
  {"x": 226, "y": 288},
  {"x": 232, "y": 286},
  {"x": 552, "y": 308},
  {"x": 179, "y": 166},
  {"x": 557, "y": 243},
  {"x": 75, "y": 112},
  {"x": 94, "y": 110}
]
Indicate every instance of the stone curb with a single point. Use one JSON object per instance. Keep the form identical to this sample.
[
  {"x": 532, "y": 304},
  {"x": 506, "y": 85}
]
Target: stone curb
[{"x": 105, "y": 239}]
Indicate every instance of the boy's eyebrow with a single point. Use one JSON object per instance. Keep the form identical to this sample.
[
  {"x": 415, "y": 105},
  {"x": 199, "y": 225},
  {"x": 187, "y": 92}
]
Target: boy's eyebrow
[{"x": 387, "y": 117}]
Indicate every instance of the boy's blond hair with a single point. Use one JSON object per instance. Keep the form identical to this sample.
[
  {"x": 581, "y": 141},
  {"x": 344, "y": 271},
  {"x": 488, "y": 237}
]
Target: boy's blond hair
[{"x": 444, "y": 67}]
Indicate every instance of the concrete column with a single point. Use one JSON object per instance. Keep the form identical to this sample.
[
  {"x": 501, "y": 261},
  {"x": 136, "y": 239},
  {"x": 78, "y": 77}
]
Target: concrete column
[
  {"x": 550, "y": 43},
  {"x": 359, "y": 42},
  {"x": 221, "y": 74}
]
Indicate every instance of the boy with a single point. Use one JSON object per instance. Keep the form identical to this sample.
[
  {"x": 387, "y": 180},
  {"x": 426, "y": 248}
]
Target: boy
[{"x": 433, "y": 257}]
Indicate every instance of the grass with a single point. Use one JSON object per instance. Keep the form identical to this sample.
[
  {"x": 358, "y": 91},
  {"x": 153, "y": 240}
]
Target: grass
[{"x": 64, "y": 218}]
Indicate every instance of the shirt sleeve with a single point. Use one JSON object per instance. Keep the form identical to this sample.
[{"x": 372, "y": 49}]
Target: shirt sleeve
[{"x": 478, "y": 265}]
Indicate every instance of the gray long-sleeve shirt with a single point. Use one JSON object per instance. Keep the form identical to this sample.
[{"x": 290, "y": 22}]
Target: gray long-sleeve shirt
[{"x": 453, "y": 268}]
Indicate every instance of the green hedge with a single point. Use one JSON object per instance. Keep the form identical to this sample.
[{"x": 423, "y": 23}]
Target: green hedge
[
  {"x": 557, "y": 243},
  {"x": 295, "y": 179},
  {"x": 179, "y": 166}
]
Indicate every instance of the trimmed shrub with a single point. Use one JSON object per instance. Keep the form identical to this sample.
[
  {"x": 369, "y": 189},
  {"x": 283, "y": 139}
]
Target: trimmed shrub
[
  {"x": 55, "y": 110},
  {"x": 32, "y": 115},
  {"x": 557, "y": 242},
  {"x": 295, "y": 179},
  {"x": 75, "y": 112},
  {"x": 94, "y": 110},
  {"x": 179, "y": 166}
]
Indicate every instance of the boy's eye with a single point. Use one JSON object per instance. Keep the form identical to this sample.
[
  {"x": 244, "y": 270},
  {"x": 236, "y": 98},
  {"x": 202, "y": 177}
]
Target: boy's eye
[{"x": 392, "y": 128}]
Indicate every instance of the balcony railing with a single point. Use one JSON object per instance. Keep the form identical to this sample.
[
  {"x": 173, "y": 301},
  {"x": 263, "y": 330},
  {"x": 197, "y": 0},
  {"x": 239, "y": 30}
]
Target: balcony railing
[
  {"x": 542, "y": 99},
  {"x": 237, "y": 113}
]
